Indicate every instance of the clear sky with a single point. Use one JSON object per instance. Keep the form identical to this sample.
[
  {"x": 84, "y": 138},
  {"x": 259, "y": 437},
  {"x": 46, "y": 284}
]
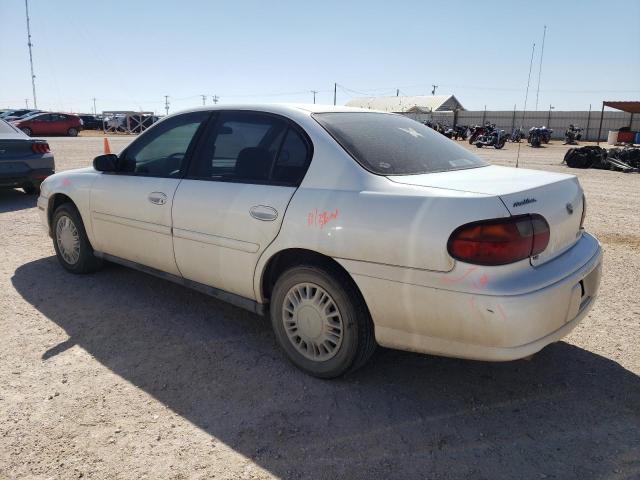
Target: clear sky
[{"x": 129, "y": 54}]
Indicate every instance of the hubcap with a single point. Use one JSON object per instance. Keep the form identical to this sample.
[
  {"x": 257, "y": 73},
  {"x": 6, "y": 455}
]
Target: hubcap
[
  {"x": 68, "y": 239},
  {"x": 312, "y": 321}
]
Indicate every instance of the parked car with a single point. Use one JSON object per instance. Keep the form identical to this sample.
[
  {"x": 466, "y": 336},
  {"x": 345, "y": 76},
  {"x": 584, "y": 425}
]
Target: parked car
[
  {"x": 91, "y": 122},
  {"x": 24, "y": 162},
  {"x": 19, "y": 114},
  {"x": 350, "y": 227},
  {"x": 50, "y": 124}
]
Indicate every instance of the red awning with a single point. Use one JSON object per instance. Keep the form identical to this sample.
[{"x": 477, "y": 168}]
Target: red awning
[{"x": 629, "y": 107}]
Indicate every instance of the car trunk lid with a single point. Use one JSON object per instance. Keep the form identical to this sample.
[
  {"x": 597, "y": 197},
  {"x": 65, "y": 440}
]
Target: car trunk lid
[
  {"x": 557, "y": 197},
  {"x": 14, "y": 148}
]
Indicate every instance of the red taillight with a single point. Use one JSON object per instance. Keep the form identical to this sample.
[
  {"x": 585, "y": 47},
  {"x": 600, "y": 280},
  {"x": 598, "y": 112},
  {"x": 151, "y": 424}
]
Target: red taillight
[
  {"x": 40, "y": 147},
  {"x": 500, "y": 241}
]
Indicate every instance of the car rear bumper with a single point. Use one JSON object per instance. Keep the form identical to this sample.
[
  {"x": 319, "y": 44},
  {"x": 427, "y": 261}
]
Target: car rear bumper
[
  {"x": 20, "y": 177},
  {"x": 482, "y": 325}
]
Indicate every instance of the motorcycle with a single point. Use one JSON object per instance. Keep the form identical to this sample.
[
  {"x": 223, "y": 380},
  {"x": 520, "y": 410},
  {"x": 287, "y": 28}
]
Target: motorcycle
[
  {"x": 544, "y": 133},
  {"x": 572, "y": 135},
  {"x": 460, "y": 132},
  {"x": 495, "y": 138},
  {"x": 476, "y": 131},
  {"x": 517, "y": 134},
  {"x": 535, "y": 137}
]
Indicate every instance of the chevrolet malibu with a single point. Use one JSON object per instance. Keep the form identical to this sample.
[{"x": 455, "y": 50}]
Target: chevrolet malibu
[{"x": 350, "y": 228}]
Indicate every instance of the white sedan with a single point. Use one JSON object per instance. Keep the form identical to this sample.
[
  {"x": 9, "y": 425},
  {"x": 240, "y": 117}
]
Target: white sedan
[{"x": 351, "y": 228}]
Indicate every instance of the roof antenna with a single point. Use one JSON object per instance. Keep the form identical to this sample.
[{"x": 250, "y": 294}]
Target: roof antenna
[{"x": 526, "y": 97}]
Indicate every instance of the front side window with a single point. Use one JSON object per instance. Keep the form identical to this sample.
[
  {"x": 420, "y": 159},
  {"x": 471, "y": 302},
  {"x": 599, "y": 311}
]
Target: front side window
[
  {"x": 387, "y": 144},
  {"x": 252, "y": 147},
  {"x": 162, "y": 150}
]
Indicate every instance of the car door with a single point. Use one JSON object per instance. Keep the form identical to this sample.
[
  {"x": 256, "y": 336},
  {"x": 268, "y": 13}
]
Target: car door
[
  {"x": 40, "y": 125},
  {"x": 230, "y": 206},
  {"x": 131, "y": 208}
]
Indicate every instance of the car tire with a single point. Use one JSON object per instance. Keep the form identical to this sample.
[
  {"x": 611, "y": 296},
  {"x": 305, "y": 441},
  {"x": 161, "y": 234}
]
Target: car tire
[
  {"x": 27, "y": 131},
  {"x": 72, "y": 246},
  {"x": 72, "y": 132},
  {"x": 31, "y": 188},
  {"x": 329, "y": 331}
]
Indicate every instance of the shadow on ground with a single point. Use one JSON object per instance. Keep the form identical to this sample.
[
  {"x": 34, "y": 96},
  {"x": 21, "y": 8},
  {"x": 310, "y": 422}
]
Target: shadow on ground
[
  {"x": 12, "y": 200},
  {"x": 568, "y": 413}
]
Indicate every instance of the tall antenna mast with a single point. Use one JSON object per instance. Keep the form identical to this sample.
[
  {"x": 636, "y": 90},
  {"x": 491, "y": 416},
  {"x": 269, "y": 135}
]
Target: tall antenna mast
[
  {"x": 526, "y": 97},
  {"x": 544, "y": 34},
  {"x": 33, "y": 77}
]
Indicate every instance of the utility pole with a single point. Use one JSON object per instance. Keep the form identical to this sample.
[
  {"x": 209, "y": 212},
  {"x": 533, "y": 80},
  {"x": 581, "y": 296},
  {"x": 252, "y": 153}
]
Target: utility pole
[
  {"x": 397, "y": 92},
  {"x": 214, "y": 99},
  {"x": 95, "y": 112},
  {"x": 544, "y": 34},
  {"x": 26, "y": 102},
  {"x": 551, "y": 107},
  {"x": 314, "y": 95},
  {"x": 433, "y": 92},
  {"x": 33, "y": 77},
  {"x": 335, "y": 92},
  {"x": 204, "y": 99},
  {"x": 166, "y": 104}
]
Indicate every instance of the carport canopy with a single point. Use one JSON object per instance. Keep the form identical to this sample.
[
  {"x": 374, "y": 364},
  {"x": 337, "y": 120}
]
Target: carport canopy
[{"x": 629, "y": 107}]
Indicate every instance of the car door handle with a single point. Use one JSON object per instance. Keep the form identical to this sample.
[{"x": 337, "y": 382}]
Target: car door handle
[
  {"x": 157, "y": 198},
  {"x": 263, "y": 212}
]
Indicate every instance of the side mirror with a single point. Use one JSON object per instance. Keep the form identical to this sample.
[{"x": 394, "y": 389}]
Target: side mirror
[{"x": 106, "y": 163}]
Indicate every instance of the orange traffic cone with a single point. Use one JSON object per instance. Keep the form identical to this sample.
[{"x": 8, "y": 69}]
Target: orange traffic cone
[{"x": 107, "y": 148}]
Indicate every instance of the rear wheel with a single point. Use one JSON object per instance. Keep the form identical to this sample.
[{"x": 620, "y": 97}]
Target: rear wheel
[
  {"x": 321, "y": 321},
  {"x": 72, "y": 132},
  {"x": 478, "y": 144},
  {"x": 70, "y": 241},
  {"x": 27, "y": 131}
]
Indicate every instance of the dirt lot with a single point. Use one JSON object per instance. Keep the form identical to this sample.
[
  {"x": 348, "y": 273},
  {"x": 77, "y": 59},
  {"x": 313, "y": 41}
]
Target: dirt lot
[{"x": 122, "y": 375}]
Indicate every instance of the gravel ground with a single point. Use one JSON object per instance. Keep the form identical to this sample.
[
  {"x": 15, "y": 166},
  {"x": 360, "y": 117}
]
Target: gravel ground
[{"x": 122, "y": 375}]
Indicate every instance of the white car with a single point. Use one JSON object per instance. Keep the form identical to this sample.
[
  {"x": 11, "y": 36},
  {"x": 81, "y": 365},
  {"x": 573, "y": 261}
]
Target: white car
[{"x": 352, "y": 228}]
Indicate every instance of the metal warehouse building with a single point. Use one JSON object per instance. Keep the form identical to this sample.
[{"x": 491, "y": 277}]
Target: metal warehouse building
[{"x": 417, "y": 104}]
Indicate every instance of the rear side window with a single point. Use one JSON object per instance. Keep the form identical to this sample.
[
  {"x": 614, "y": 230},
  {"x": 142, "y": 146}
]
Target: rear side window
[
  {"x": 387, "y": 144},
  {"x": 251, "y": 147}
]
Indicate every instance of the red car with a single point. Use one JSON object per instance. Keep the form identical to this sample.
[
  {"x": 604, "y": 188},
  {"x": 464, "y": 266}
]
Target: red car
[{"x": 47, "y": 123}]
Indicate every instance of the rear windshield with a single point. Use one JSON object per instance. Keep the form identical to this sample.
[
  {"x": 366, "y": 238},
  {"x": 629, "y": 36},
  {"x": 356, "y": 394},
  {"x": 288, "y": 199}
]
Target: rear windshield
[
  {"x": 6, "y": 128},
  {"x": 388, "y": 144}
]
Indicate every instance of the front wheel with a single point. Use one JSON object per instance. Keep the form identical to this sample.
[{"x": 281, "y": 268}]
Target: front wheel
[
  {"x": 321, "y": 321},
  {"x": 70, "y": 241},
  {"x": 72, "y": 132}
]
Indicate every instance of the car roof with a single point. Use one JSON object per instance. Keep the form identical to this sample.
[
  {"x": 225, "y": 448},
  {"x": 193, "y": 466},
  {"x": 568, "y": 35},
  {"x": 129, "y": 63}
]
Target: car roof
[{"x": 283, "y": 108}]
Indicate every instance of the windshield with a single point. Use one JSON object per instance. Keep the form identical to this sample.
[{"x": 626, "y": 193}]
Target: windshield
[{"x": 388, "y": 144}]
